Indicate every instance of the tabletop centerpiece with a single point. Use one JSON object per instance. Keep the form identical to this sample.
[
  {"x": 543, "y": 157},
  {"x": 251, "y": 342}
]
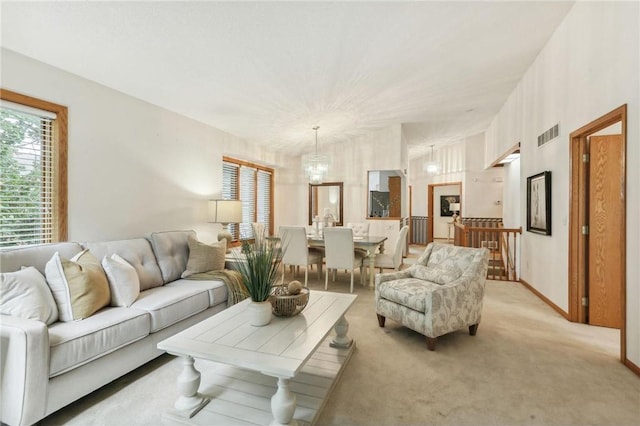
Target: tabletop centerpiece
[
  {"x": 289, "y": 299},
  {"x": 258, "y": 263}
]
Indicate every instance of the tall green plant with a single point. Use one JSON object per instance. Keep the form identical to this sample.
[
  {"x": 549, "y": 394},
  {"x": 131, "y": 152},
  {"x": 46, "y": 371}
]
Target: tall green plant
[{"x": 258, "y": 264}]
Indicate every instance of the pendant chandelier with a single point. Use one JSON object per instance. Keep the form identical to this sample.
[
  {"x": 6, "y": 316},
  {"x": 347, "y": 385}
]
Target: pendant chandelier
[
  {"x": 315, "y": 166},
  {"x": 431, "y": 166}
]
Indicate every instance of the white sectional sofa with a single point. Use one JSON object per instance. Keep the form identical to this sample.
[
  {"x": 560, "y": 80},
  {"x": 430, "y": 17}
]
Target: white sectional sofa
[{"x": 43, "y": 368}]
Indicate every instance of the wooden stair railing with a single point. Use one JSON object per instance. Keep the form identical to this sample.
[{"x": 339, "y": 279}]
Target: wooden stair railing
[{"x": 501, "y": 242}]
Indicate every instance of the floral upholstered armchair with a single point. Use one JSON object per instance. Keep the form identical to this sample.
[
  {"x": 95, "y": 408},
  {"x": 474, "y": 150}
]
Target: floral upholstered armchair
[{"x": 442, "y": 292}]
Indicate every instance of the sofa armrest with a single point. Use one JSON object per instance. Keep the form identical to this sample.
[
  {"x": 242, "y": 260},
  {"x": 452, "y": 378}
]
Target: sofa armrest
[{"x": 24, "y": 369}]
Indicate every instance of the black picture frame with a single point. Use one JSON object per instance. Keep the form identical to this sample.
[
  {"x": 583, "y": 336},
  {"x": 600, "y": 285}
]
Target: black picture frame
[
  {"x": 539, "y": 203},
  {"x": 445, "y": 200}
]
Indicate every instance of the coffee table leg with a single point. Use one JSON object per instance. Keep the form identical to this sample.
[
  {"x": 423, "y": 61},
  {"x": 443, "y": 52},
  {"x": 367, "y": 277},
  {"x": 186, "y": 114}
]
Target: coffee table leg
[
  {"x": 283, "y": 404},
  {"x": 341, "y": 340},
  {"x": 190, "y": 401}
]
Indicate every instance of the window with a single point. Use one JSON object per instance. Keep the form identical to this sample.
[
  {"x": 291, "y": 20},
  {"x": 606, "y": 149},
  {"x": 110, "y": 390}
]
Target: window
[
  {"x": 253, "y": 184},
  {"x": 33, "y": 164}
]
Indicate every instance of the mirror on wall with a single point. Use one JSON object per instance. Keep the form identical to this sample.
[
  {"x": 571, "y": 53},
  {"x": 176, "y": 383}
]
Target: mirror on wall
[
  {"x": 386, "y": 188},
  {"x": 326, "y": 199}
]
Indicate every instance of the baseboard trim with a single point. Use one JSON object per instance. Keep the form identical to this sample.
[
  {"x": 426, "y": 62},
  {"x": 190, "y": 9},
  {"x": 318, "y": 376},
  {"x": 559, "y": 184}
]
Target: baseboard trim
[
  {"x": 629, "y": 364},
  {"x": 544, "y": 299},
  {"x": 632, "y": 366}
]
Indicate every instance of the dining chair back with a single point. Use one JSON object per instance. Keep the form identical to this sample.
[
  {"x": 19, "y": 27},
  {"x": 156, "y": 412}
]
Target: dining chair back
[
  {"x": 297, "y": 252},
  {"x": 393, "y": 260},
  {"x": 360, "y": 229},
  {"x": 340, "y": 254}
]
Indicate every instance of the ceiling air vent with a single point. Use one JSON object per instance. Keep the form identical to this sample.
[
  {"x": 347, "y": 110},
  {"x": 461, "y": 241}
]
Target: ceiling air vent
[{"x": 547, "y": 136}]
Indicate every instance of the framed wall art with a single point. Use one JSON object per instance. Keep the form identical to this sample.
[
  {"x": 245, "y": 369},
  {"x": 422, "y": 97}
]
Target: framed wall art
[
  {"x": 539, "y": 203},
  {"x": 445, "y": 201}
]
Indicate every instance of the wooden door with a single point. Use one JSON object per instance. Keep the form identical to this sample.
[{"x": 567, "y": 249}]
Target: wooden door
[
  {"x": 395, "y": 196},
  {"x": 606, "y": 225}
]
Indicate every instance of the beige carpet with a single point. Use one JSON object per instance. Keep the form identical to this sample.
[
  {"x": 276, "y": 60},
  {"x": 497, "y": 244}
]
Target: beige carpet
[{"x": 526, "y": 365}]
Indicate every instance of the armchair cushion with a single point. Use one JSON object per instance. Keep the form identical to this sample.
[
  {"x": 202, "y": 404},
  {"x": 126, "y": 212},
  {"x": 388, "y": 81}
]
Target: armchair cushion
[
  {"x": 409, "y": 292},
  {"x": 445, "y": 264}
]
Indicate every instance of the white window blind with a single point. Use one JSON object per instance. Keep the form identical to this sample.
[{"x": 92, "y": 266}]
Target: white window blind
[
  {"x": 27, "y": 189},
  {"x": 263, "y": 213},
  {"x": 230, "y": 178},
  {"x": 251, "y": 185},
  {"x": 248, "y": 197}
]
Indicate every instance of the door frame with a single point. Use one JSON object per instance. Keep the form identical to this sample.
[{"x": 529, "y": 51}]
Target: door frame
[
  {"x": 578, "y": 212},
  {"x": 430, "y": 188}
]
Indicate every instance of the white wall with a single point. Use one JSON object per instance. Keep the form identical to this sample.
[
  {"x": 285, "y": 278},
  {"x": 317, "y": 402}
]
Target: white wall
[
  {"x": 589, "y": 67},
  {"x": 133, "y": 168},
  {"x": 482, "y": 187}
]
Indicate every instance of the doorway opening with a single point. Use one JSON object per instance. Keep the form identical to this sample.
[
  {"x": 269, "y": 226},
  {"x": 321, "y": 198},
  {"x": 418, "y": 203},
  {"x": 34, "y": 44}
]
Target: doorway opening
[
  {"x": 437, "y": 222},
  {"x": 597, "y": 225}
]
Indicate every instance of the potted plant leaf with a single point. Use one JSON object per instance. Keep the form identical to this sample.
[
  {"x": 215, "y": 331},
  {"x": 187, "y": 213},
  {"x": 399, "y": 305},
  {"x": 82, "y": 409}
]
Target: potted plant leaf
[{"x": 259, "y": 266}]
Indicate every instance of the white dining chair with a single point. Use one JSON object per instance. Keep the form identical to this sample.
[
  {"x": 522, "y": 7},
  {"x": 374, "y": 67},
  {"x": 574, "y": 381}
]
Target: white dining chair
[
  {"x": 392, "y": 260},
  {"x": 340, "y": 254},
  {"x": 297, "y": 252},
  {"x": 360, "y": 230}
]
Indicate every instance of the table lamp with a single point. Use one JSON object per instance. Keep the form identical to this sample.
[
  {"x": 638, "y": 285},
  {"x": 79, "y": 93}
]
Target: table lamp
[
  {"x": 455, "y": 208},
  {"x": 225, "y": 212}
]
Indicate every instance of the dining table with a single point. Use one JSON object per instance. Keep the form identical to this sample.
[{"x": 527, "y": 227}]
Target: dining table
[{"x": 367, "y": 243}]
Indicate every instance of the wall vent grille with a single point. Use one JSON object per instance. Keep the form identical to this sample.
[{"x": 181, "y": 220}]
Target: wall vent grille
[{"x": 547, "y": 136}]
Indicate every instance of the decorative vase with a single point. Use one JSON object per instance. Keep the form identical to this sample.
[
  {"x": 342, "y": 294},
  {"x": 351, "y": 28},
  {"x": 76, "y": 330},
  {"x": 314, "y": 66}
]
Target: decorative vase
[{"x": 259, "y": 313}]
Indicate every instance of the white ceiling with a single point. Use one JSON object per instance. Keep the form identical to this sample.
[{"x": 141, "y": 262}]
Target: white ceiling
[{"x": 268, "y": 72}]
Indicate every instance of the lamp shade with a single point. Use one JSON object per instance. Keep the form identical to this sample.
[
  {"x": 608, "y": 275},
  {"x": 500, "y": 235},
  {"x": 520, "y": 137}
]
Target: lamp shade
[
  {"x": 225, "y": 211},
  {"x": 454, "y": 207}
]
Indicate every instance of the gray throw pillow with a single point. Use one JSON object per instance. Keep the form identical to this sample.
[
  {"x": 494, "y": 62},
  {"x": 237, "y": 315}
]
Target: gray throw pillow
[{"x": 205, "y": 257}]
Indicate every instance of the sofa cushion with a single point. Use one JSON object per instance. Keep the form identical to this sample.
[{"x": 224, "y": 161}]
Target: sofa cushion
[
  {"x": 410, "y": 292},
  {"x": 205, "y": 257},
  {"x": 25, "y": 294},
  {"x": 76, "y": 343},
  {"x": 169, "y": 304},
  {"x": 172, "y": 252},
  {"x": 79, "y": 285},
  {"x": 137, "y": 252},
  {"x": 123, "y": 280},
  {"x": 37, "y": 256},
  {"x": 217, "y": 290}
]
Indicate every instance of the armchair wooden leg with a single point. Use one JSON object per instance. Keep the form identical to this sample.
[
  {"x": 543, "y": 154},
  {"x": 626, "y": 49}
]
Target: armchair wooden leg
[
  {"x": 381, "y": 320},
  {"x": 431, "y": 343},
  {"x": 473, "y": 329}
]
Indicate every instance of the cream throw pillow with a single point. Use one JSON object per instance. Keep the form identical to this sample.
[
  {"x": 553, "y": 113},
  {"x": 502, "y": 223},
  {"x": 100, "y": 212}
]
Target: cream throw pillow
[
  {"x": 25, "y": 294},
  {"x": 123, "y": 280},
  {"x": 205, "y": 257},
  {"x": 79, "y": 286}
]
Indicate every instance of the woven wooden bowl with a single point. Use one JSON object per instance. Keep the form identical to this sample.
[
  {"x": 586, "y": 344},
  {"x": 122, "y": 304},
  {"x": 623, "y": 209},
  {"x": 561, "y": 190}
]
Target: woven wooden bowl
[{"x": 285, "y": 304}]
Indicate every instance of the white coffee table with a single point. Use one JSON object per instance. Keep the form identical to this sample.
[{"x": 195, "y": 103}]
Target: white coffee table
[{"x": 279, "y": 349}]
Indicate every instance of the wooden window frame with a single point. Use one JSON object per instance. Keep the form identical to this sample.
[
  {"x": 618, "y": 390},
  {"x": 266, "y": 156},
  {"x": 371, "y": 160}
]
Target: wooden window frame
[
  {"x": 60, "y": 157},
  {"x": 271, "y": 171}
]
